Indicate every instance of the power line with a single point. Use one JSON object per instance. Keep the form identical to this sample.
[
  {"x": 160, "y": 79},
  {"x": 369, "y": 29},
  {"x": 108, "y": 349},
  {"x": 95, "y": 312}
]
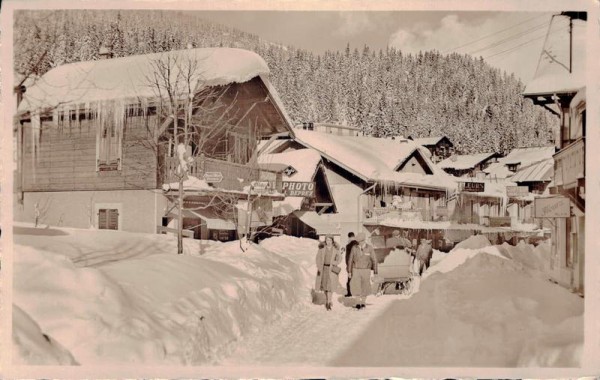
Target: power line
[
  {"x": 514, "y": 36},
  {"x": 525, "y": 43},
  {"x": 493, "y": 34}
]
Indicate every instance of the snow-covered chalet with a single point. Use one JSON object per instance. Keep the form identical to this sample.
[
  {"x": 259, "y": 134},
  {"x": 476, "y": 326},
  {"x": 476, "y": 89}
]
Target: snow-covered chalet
[{"x": 95, "y": 150}]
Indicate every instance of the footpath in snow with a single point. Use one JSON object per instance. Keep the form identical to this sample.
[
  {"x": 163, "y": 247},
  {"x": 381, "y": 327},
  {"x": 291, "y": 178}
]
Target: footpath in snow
[{"x": 108, "y": 297}]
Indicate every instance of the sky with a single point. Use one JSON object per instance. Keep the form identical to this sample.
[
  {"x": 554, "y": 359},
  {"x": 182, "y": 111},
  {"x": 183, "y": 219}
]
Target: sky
[{"x": 511, "y": 41}]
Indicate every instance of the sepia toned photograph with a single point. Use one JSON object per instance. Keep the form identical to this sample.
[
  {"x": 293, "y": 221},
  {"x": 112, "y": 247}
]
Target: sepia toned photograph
[{"x": 285, "y": 188}]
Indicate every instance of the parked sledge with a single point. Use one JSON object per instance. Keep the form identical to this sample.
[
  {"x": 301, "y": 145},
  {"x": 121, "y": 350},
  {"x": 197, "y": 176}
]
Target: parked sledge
[{"x": 395, "y": 274}]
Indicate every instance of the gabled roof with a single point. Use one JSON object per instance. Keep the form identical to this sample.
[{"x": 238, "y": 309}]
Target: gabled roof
[
  {"x": 465, "y": 161},
  {"x": 556, "y": 73},
  {"x": 538, "y": 172},
  {"x": 375, "y": 159},
  {"x": 304, "y": 161}
]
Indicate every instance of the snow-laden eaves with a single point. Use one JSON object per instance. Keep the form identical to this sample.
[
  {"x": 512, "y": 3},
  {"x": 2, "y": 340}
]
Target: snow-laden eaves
[
  {"x": 538, "y": 172},
  {"x": 129, "y": 78}
]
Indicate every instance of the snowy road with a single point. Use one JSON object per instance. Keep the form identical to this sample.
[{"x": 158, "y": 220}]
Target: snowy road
[{"x": 309, "y": 335}]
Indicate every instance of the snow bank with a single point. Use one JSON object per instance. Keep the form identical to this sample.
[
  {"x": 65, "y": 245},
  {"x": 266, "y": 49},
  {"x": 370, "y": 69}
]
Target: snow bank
[
  {"x": 475, "y": 310},
  {"x": 153, "y": 306},
  {"x": 474, "y": 242},
  {"x": 31, "y": 345}
]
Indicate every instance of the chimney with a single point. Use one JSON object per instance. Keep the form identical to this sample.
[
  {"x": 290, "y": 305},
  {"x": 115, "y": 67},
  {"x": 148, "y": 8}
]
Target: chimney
[{"x": 105, "y": 53}]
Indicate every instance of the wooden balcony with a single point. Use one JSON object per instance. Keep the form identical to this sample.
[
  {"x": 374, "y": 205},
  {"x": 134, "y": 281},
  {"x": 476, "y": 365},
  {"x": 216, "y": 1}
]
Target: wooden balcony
[{"x": 230, "y": 171}]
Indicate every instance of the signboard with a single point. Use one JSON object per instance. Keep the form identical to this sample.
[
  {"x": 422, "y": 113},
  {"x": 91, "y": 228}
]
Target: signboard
[
  {"x": 213, "y": 177},
  {"x": 290, "y": 171},
  {"x": 472, "y": 187},
  {"x": 261, "y": 186},
  {"x": 517, "y": 191},
  {"x": 555, "y": 207},
  {"x": 299, "y": 189},
  {"x": 500, "y": 221}
]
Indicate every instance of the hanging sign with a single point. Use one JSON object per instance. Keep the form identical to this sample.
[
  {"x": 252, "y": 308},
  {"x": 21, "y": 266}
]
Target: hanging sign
[
  {"x": 298, "y": 189},
  {"x": 472, "y": 187},
  {"x": 554, "y": 207},
  {"x": 213, "y": 177},
  {"x": 517, "y": 191},
  {"x": 290, "y": 171}
]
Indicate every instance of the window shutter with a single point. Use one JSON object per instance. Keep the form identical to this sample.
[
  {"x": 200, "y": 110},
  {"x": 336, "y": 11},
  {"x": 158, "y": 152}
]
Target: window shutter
[
  {"x": 102, "y": 218},
  {"x": 113, "y": 219},
  {"x": 108, "y": 219}
]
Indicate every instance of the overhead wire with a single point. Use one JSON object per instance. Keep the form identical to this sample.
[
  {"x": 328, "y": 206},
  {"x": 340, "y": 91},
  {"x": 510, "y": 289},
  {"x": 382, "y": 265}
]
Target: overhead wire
[{"x": 493, "y": 34}]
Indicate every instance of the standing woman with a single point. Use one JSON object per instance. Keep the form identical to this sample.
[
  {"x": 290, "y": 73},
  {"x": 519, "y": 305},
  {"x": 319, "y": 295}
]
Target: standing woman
[{"x": 328, "y": 259}]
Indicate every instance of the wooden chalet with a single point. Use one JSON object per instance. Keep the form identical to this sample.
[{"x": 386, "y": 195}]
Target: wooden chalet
[
  {"x": 98, "y": 144},
  {"x": 440, "y": 147},
  {"x": 373, "y": 180},
  {"x": 559, "y": 85}
]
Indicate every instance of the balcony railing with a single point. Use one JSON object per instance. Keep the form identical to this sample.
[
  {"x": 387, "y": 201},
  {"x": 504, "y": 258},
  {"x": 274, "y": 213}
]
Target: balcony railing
[
  {"x": 379, "y": 214},
  {"x": 231, "y": 172},
  {"x": 569, "y": 164}
]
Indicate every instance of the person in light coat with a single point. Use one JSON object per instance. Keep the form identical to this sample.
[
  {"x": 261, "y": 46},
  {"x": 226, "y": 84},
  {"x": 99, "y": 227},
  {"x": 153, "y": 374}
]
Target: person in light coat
[
  {"x": 362, "y": 262},
  {"x": 328, "y": 260}
]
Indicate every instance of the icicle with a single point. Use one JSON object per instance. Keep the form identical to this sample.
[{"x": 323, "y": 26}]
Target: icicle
[{"x": 35, "y": 140}]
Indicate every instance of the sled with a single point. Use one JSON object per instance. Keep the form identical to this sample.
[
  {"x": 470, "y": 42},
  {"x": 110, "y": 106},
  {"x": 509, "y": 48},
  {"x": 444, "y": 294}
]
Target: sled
[{"x": 395, "y": 274}]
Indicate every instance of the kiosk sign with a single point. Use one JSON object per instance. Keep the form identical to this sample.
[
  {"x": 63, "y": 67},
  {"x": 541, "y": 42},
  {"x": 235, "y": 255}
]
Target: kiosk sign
[
  {"x": 554, "y": 207},
  {"x": 472, "y": 187},
  {"x": 298, "y": 189}
]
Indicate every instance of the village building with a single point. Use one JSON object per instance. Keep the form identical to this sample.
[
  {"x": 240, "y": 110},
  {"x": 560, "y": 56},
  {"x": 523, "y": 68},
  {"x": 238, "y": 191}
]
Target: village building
[
  {"x": 440, "y": 146},
  {"x": 306, "y": 190},
  {"x": 517, "y": 159},
  {"x": 559, "y": 85},
  {"x": 467, "y": 165},
  {"x": 375, "y": 179},
  {"x": 99, "y": 146}
]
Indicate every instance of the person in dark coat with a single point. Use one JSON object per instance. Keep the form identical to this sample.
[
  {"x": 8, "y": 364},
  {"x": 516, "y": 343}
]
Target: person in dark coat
[
  {"x": 351, "y": 243},
  {"x": 327, "y": 258},
  {"x": 424, "y": 254}
]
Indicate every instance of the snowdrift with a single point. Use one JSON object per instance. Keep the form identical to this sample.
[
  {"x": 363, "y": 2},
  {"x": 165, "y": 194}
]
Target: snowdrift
[
  {"x": 476, "y": 308},
  {"x": 148, "y": 307}
]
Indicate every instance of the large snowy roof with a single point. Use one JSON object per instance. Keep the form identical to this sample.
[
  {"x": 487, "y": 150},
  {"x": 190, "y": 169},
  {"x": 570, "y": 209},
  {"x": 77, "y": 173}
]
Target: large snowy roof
[
  {"x": 466, "y": 161},
  {"x": 522, "y": 156},
  {"x": 129, "y": 77},
  {"x": 552, "y": 74},
  {"x": 375, "y": 159}
]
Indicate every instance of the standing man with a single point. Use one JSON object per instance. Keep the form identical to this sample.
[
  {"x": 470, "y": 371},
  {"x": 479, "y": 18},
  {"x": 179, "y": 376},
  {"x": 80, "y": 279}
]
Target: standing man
[
  {"x": 362, "y": 262},
  {"x": 351, "y": 242}
]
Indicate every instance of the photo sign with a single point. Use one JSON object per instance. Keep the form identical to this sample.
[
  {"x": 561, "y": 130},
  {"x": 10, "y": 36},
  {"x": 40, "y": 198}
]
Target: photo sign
[
  {"x": 298, "y": 189},
  {"x": 555, "y": 207},
  {"x": 472, "y": 187}
]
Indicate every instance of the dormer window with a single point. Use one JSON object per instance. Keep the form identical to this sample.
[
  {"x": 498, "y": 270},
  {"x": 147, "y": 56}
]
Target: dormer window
[{"x": 513, "y": 167}]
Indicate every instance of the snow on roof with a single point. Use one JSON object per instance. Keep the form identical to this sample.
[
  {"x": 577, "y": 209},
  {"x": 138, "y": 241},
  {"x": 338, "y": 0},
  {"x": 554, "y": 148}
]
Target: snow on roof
[
  {"x": 439, "y": 181},
  {"x": 305, "y": 161},
  {"x": 191, "y": 184},
  {"x": 552, "y": 75},
  {"x": 425, "y": 141},
  {"x": 129, "y": 77},
  {"x": 522, "y": 156},
  {"x": 370, "y": 158},
  {"x": 540, "y": 171},
  {"x": 465, "y": 161}
]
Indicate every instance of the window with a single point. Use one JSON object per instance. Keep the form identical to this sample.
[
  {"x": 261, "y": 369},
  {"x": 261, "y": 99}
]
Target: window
[
  {"x": 108, "y": 219},
  {"x": 108, "y": 147},
  {"x": 512, "y": 167}
]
